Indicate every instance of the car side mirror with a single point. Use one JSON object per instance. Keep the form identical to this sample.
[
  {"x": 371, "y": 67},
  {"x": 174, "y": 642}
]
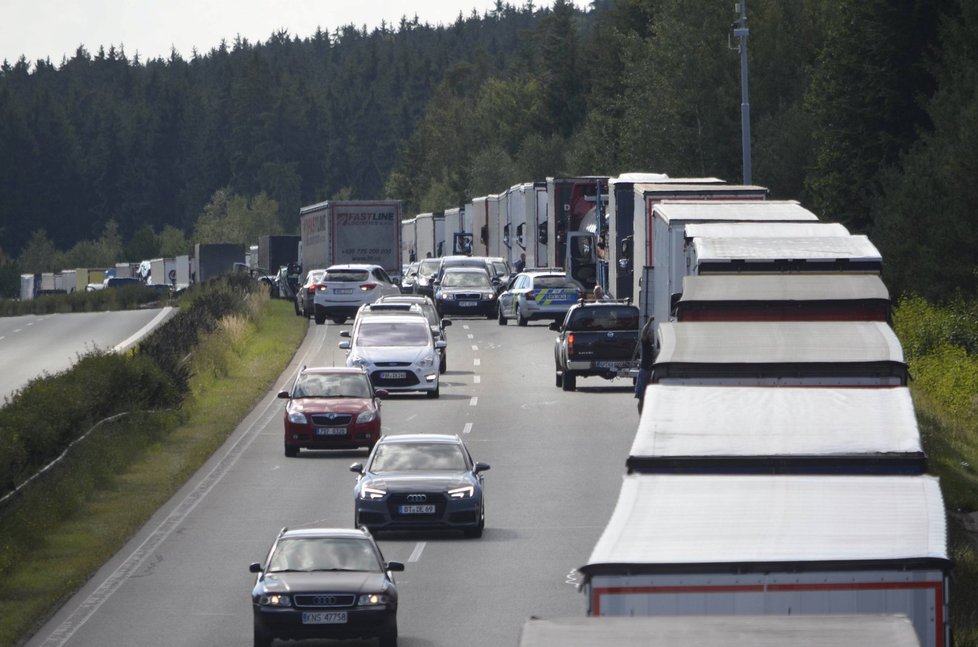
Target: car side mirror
[
  {"x": 357, "y": 468},
  {"x": 495, "y": 280},
  {"x": 395, "y": 567},
  {"x": 555, "y": 326},
  {"x": 441, "y": 344},
  {"x": 446, "y": 323},
  {"x": 283, "y": 395},
  {"x": 255, "y": 567},
  {"x": 481, "y": 467},
  {"x": 344, "y": 345},
  {"x": 381, "y": 393},
  {"x": 344, "y": 333}
]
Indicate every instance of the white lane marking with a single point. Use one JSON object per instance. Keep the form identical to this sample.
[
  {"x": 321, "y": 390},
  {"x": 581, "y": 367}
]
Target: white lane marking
[
  {"x": 471, "y": 336},
  {"x": 476, "y": 362},
  {"x": 474, "y": 401},
  {"x": 409, "y": 418},
  {"x": 476, "y": 379},
  {"x": 18, "y": 330},
  {"x": 416, "y": 553},
  {"x": 30, "y": 323},
  {"x": 3, "y": 336},
  {"x": 467, "y": 429},
  {"x": 142, "y": 331},
  {"x": 475, "y": 348},
  {"x": 151, "y": 544},
  {"x": 465, "y": 326}
]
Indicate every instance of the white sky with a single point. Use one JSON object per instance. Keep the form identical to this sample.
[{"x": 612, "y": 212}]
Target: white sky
[{"x": 53, "y": 29}]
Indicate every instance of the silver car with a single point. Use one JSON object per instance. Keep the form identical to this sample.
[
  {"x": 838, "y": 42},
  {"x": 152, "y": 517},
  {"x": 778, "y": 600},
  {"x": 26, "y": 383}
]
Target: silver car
[{"x": 420, "y": 481}]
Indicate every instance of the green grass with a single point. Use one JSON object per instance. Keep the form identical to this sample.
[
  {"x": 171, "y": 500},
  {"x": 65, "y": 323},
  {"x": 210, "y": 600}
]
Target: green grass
[{"x": 147, "y": 468}]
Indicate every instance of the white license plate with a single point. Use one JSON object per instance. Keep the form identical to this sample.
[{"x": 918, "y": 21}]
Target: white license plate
[
  {"x": 612, "y": 364},
  {"x": 468, "y": 304},
  {"x": 342, "y": 290},
  {"x": 393, "y": 375},
  {"x": 416, "y": 509},
  {"x": 331, "y": 431},
  {"x": 323, "y": 617}
]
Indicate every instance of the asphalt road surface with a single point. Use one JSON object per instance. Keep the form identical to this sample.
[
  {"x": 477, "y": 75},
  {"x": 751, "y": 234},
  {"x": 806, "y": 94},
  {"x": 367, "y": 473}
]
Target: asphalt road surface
[
  {"x": 32, "y": 345},
  {"x": 557, "y": 460}
]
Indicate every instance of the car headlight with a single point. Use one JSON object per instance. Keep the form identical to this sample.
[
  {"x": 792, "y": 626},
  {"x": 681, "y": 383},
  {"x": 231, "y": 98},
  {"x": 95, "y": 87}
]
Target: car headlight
[
  {"x": 275, "y": 600},
  {"x": 358, "y": 362},
  {"x": 427, "y": 361},
  {"x": 298, "y": 418},
  {"x": 372, "y": 493},
  {"x": 446, "y": 296},
  {"x": 367, "y": 416},
  {"x": 373, "y": 599},
  {"x": 488, "y": 296},
  {"x": 462, "y": 492}
]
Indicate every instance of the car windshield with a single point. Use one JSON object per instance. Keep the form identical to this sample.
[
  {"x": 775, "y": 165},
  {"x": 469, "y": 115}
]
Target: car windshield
[
  {"x": 324, "y": 554},
  {"x": 610, "y": 318},
  {"x": 393, "y": 333},
  {"x": 429, "y": 266},
  {"x": 402, "y": 457},
  {"x": 500, "y": 267},
  {"x": 466, "y": 280},
  {"x": 353, "y": 385},
  {"x": 554, "y": 282},
  {"x": 346, "y": 276}
]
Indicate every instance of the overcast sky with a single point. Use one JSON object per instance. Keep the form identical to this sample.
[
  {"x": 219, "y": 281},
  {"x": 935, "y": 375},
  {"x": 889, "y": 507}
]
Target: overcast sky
[{"x": 53, "y": 29}]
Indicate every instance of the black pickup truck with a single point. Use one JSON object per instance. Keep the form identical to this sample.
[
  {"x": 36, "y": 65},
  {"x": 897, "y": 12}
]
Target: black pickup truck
[{"x": 597, "y": 338}]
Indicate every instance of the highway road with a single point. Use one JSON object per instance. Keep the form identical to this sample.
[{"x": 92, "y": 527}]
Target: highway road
[
  {"x": 32, "y": 345},
  {"x": 557, "y": 460}
]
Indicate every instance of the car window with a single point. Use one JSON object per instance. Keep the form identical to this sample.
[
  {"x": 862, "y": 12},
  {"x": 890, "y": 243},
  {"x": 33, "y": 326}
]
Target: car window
[
  {"x": 345, "y": 276},
  {"x": 429, "y": 266},
  {"x": 393, "y": 333},
  {"x": 399, "y": 457},
  {"x": 381, "y": 275},
  {"x": 500, "y": 267},
  {"x": 332, "y": 386},
  {"x": 466, "y": 280},
  {"x": 554, "y": 282},
  {"x": 612, "y": 318},
  {"x": 324, "y": 554}
]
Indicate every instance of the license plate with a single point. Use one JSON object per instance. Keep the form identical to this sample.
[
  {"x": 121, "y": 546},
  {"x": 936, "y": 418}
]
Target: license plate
[
  {"x": 323, "y": 617},
  {"x": 393, "y": 375},
  {"x": 416, "y": 509},
  {"x": 467, "y": 304},
  {"x": 342, "y": 290},
  {"x": 622, "y": 364},
  {"x": 331, "y": 431}
]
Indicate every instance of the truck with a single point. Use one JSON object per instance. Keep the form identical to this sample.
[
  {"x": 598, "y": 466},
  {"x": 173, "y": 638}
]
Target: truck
[
  {"x": 479, "y": 208},
  {"x": 458, "y": 232},
  {"x": 631, "y": 197},
  {"x": 595, "y": 338},
  {"x": 210, "y": 261},
  {"x": 746, "y": 544},
  {"x": 409, "y": 248},
  {"x": 576, "y": 221},
  {"x": 720, "y": 631},
  {"x": 783, "y": 297},
  {"x": 760, "y": 430},
  {"x": 661, "y": 253},
  {"x": 163, "y": 271},
  {"x": 352, "y": 231},
  {"x": 276, "y": 251},
  {"x": 495, "y": 223},
  {"x": 826, "y": 254},
  {"x": 778, "y": 353},
  {"x": 526, "y": 208},
  {"x": 429, "y": 232}
]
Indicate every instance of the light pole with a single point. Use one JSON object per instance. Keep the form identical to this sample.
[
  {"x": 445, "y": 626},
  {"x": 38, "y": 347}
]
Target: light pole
[{"x": 740, "y": 31}]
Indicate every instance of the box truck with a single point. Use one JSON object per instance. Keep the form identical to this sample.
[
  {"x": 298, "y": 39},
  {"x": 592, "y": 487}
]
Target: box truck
[{"x": 352, "y": 231}]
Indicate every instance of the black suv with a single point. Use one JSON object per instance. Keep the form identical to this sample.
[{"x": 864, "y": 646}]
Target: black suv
[{"x": 325, "y": 583}]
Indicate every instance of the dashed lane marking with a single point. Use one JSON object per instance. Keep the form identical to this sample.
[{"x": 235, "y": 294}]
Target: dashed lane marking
[
  {"x": 475, "y": 348},
  {"x": 476, "y": 362},
  {"x": 474, "y": 401},
  {"x": 475, "y": 379},
  {"x": 416, "y": 553},
  {"x": 467, "y": 429}
]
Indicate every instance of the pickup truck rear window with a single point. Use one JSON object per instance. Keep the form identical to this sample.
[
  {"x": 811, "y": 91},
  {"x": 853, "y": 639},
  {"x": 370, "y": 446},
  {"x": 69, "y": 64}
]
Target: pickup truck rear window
[{"x": 604, "y": 318}]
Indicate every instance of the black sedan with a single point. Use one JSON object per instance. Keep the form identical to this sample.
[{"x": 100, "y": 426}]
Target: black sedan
[
  {"x": 325, "y": 583},
  {"x": 466, "y": 291},
  {"x": 420, "y": 481}
]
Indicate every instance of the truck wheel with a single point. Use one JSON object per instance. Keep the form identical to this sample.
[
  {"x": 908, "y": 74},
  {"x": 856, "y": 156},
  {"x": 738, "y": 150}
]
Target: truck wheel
[
  {"x": 570, "y": 381},
  {"x": 520, "y": 319},
  {"x": 320, "y": 319},
  {"x": 560, "y": 379}
]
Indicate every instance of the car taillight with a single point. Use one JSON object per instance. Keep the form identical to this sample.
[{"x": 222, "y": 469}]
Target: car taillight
[
  {"x": 321, "y": 288},
  {"x": 570, "y": 344},
  {"x": 368, "y": 286},
  {"x": 311, "y": 289}
]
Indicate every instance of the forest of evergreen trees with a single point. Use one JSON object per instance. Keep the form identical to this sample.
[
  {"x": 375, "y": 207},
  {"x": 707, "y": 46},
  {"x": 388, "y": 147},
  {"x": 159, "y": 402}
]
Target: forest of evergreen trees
[{"x": 864, "y": 110}]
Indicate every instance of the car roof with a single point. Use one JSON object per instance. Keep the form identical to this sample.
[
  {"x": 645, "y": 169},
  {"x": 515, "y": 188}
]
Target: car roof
[
  {"x": 467, "y": 270},
  {"x": 405, "y": 298},
  {"x": 313, "y": 531},
  {"x": 397, "y": 317},
  {"x": 353, "y": 266},
  {"x": 420, "y": 438}
]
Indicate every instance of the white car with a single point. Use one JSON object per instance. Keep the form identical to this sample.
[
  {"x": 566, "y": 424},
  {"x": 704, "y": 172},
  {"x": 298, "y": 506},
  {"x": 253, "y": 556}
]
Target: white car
[
  {"x": 397, "y": 350},
  {"x": 344, "y": 288},
  {"x": 538, "y": 295}
]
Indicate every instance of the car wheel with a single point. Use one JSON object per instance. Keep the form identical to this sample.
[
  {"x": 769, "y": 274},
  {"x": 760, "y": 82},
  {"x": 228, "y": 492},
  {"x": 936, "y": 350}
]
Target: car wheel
[
  {"x": 520, "y": 319},
  {"x": 559, "y": 381},
  {"x": 435, "y": 393},
  {"x": 291, "y": 451},
  {"x": 500, "y": 317},
  {"x": 388, "y": 638},
  {"x": 443, "y": 366},
  {"x": 492, "y": 315},
  {"x": 262, "y": 637},
  {"x": 339, "y": 320},
  {"x": 477, "y": 531},
  {"x": 570, "y": 381},
  {"x": 298, "y": 313}
]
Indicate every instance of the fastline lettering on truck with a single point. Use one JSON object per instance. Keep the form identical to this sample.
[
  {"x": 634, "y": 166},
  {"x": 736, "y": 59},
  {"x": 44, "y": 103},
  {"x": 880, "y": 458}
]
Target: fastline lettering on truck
[{"x": 363, "y": 218}]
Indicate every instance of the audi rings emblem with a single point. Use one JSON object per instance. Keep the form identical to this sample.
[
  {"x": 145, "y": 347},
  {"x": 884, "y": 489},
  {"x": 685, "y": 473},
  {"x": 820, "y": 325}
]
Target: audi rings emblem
[
  {"x": 324, "y": 600},
  {"x": 417, "y": 498}
]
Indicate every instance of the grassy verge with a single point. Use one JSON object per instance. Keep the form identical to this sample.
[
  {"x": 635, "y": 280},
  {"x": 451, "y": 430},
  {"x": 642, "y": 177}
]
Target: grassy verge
[{"x": 233, "y": 367}]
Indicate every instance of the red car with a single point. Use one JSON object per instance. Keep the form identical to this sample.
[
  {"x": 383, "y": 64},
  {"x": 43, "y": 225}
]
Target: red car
[{"x": 331, "y": 408}]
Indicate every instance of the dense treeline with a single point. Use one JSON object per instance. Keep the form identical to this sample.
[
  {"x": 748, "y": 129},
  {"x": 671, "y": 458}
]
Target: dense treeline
[{"x": 865, "y": 110}]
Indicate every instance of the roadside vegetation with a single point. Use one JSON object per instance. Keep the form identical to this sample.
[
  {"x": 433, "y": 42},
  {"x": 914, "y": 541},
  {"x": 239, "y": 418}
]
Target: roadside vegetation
[
  {"x": 130, "y": 430},
  {"x": 941, "y": 347}
]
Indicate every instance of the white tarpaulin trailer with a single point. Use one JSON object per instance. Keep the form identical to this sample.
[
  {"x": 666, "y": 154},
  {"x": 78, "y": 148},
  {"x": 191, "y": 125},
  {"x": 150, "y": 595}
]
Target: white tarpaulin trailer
[
  {"x": 765, "y": 230},
  {"x": 811, "y": 254},
  {"x": 774, "y": 545},
  {"x": 791, "y": 430},
  {"x": 783, "y": 353},
  {"x": 722, "y": 631}
]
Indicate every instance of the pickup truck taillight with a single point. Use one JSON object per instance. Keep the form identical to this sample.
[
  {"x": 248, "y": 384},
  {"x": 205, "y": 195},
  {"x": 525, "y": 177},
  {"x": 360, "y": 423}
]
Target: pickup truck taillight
[{"x": 570, "y": 343}]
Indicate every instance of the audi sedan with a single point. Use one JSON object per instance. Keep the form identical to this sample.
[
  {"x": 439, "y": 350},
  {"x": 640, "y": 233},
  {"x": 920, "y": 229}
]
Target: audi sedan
[
  {"x": 331, "y": 408},
  {"x": 420, "y": 481},
  {"x": 466, "y": 291},
  {"x": 324, "y": 583}
]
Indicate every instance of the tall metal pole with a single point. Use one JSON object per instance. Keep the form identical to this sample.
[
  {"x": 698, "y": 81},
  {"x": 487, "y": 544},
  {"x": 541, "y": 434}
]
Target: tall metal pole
[{"x": 741, "y": 32}]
